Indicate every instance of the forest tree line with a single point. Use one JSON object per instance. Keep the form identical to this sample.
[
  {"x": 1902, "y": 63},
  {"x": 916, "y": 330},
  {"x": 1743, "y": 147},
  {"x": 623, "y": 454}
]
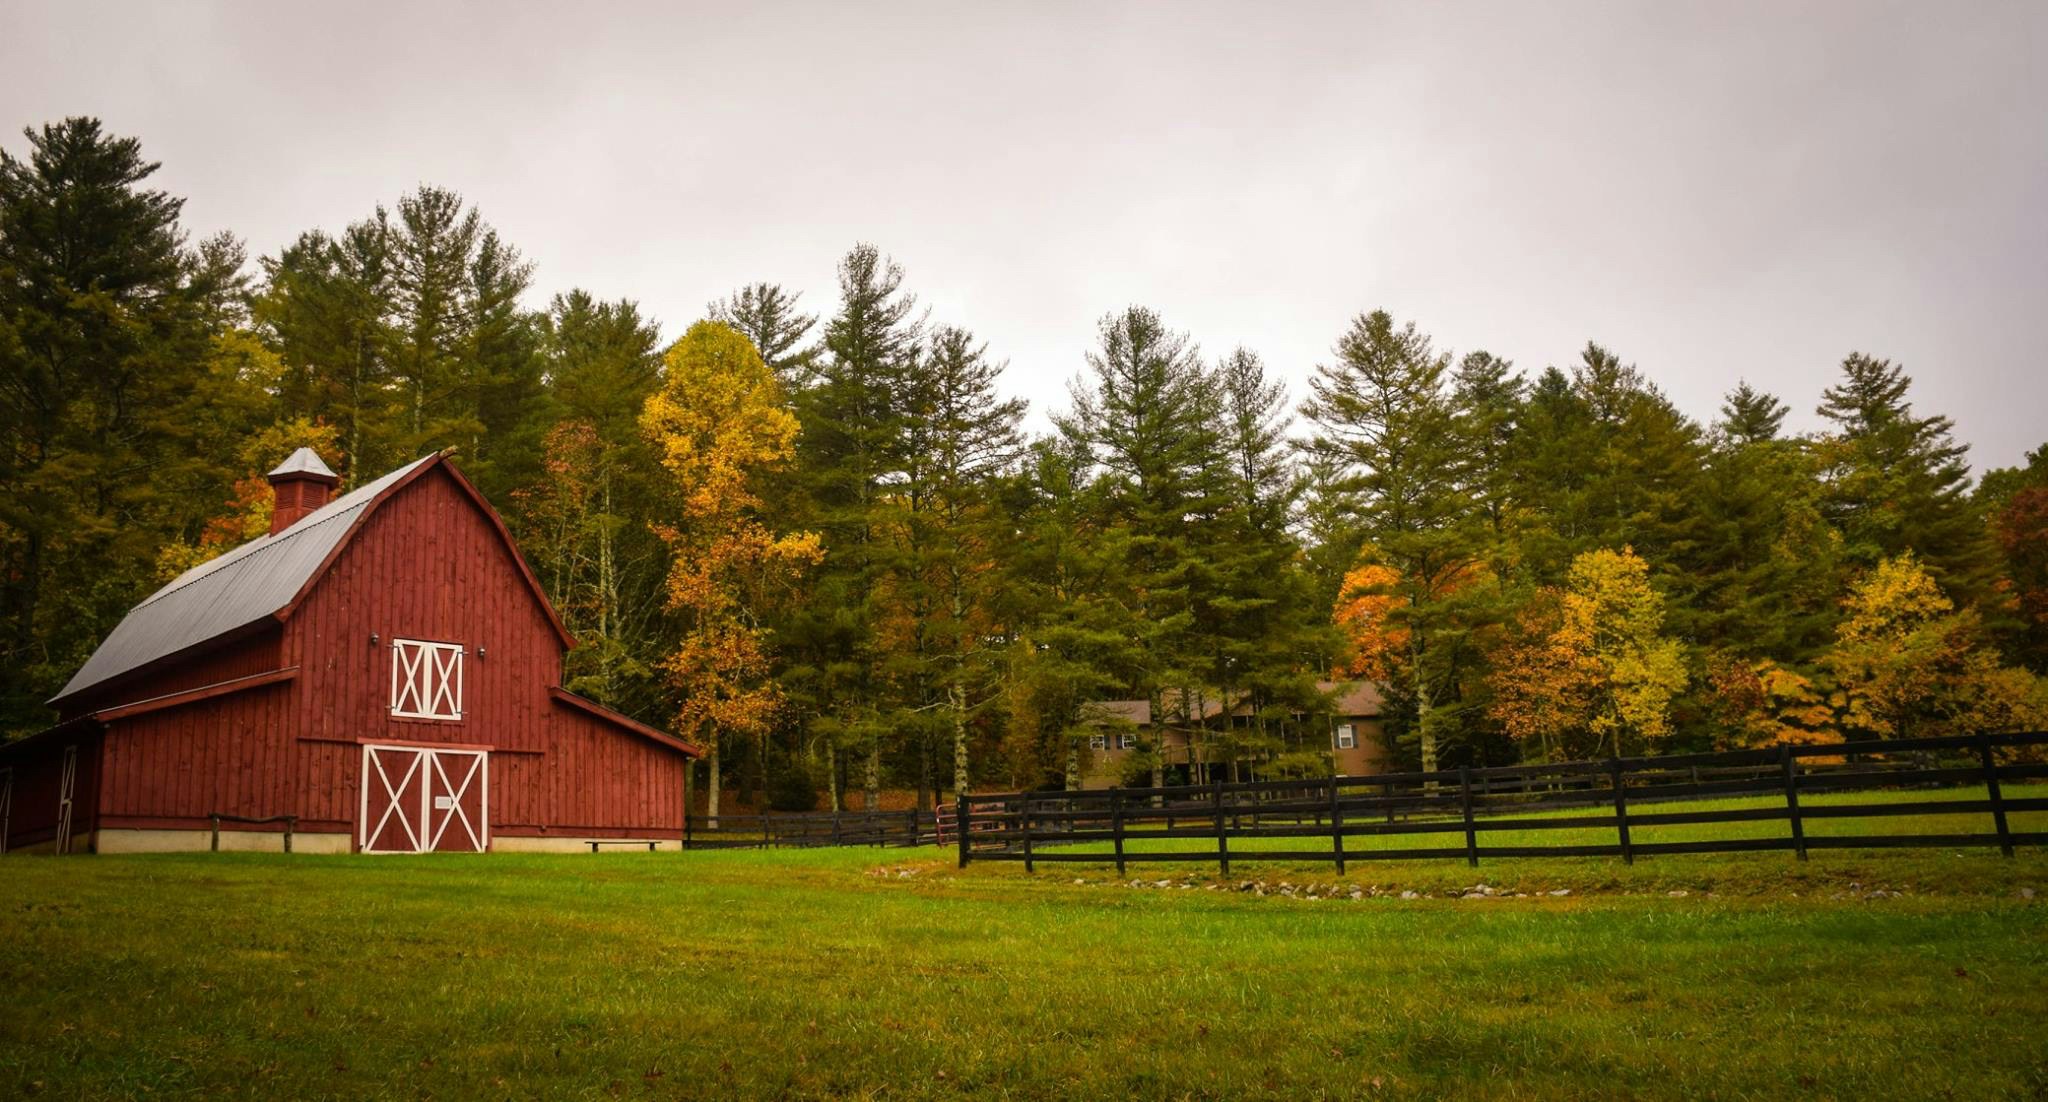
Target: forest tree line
[{"x": 825, "y": 544}]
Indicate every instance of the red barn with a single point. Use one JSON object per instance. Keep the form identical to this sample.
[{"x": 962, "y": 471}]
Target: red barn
[{"x": 382, "y": 667}]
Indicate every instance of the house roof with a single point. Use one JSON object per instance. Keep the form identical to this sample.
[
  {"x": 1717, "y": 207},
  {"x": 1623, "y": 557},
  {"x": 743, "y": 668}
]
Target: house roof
[
  {"x": 262, "y": 579},
  {"x": 1353, "y": 698}
]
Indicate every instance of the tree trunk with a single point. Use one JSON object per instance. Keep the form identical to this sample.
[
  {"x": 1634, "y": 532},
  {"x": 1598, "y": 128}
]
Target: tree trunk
[
  {"x": 711, "y": 797},
  {"x": 872, "y": 783},
  {"x": 1158, "y": 739},
  {"x": 832, "y": 773},
  {"x": 1422, "y": 706},
  {"x": 956, "y": 699}
]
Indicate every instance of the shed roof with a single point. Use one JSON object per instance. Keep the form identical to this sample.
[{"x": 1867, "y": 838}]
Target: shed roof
[{"x": 233, "y": 591}]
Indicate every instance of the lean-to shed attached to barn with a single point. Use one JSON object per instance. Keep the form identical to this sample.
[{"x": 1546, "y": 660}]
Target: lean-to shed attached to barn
[{"x": 382, "y": 667}]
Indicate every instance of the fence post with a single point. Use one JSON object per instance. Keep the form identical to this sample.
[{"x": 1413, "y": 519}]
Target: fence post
[
  {"x": 1024, "y": 820},
  {"x": 1789, "y": 762},
  {"x": 1387, "y": 797},
  {"x": 1336, "y": 827},
  {"x": 1628, "y": 853},
  {"x": 686, "y": 825},
  {"x": 835, "y": 828},
  {"x": 960, "y": 824},
  {"x": 1997, "y": 795},
  {"x": 216, "y": 832},
  {"x": 1471, "y": 833},
  {"x": 912, "y": 819},
  {"x": 290, "y": 823},
  {"x": 1116, "y": 826},
  {"x": 1222, "y": 839}
]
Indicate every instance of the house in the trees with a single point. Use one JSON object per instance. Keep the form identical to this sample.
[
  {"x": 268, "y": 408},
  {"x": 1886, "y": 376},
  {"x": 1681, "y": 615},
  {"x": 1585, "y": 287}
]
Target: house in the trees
[
  {"x": 1353, "y": 726},
  {"x": 382, "y": 667}
]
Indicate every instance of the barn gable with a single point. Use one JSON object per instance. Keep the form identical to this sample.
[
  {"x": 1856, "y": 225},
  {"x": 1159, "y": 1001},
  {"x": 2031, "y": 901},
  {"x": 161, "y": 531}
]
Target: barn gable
[{"x": 259, "y": 584}]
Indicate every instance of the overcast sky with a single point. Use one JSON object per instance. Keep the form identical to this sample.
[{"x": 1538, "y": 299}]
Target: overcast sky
[{"x": 1716, "y": 192}]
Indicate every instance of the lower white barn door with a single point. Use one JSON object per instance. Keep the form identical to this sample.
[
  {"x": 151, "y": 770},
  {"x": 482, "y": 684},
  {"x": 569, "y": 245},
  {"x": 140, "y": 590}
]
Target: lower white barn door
[{"x": 417, "y": 800}]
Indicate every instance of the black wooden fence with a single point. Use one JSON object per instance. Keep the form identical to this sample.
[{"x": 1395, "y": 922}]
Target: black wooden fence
[
  {"x": 843, "y": 828},
  {"x": 1958, "y": 776}
]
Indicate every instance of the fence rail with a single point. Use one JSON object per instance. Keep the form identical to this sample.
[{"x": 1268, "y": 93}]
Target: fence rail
[
  {"x": 806, "y": 830},
  {"x": 1621, "y": 794}
]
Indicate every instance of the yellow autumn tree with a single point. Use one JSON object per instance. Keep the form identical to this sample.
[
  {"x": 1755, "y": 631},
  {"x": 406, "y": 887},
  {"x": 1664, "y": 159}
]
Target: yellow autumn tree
[
  {"x": 1588, "y": 668},
  {"x": 1613, "y": 617},
  {"x": 1906, "y": 662},
  {"x": 719, "y": 425}
]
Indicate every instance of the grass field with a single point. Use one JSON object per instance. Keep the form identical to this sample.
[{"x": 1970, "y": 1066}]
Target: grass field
[{"x": 888, "y": 974}]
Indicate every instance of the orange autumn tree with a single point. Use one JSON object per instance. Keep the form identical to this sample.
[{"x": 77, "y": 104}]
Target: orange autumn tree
[
  {"x": 719, "y": 425},
  {"x": 1376, "y": 641}
]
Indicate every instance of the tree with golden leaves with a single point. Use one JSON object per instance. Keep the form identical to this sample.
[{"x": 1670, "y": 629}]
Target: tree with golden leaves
[
  {"x": 1908, "y": 663},
  {"x": 1592, "y": 659},
  {"x": 719, "y": 425}
]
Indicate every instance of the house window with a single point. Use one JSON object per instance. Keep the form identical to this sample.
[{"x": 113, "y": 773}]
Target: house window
[
  {"x": 1098, "y": 742},
  {"x": 1127, "y": 741},
  {"x": 426, "y": 679},
  {"x": 1347, "y": 738}
]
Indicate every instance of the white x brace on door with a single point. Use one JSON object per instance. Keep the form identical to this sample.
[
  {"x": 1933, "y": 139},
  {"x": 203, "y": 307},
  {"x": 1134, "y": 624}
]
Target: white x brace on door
[{"x": 421, "y": 800}]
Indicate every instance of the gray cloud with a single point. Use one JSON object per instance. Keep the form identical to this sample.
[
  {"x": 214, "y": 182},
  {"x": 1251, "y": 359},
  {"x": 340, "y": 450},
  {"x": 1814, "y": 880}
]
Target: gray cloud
[{"x": 1716, "y": 192}]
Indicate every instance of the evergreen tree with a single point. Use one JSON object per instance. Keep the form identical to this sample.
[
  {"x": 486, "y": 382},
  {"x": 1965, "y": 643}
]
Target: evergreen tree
[
  {"x": 1750, "y": 416},
  {"x": 767, "y": 315},
  {"x": 1147, "y": 413},
  {"x": 1267, "y": 640},
  {"x": 1384, "y": 411},
  {"x": 962, "y": 436},
  {"x": 114, "y": 397},
  {"x": 851, "y": 453},
  {"x": 1769, "y": 570},
  {"x": 1898, "y": 482},
  {"x": 325, "y": 310}
]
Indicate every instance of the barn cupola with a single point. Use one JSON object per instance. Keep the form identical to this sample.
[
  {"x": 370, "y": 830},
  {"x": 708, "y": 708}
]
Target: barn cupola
[{"x": 301, "y": 484}]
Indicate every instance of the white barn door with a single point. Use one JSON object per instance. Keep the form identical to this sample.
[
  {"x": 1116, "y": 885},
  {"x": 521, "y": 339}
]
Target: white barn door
[{"x": 420, "y": 800}]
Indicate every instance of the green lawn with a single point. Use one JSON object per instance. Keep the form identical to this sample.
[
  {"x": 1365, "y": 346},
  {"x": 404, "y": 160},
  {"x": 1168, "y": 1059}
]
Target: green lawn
[{"x": 829, "y": 973}]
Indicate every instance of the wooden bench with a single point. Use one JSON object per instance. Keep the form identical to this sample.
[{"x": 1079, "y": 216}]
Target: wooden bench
[{"x": 621, "y": 842}]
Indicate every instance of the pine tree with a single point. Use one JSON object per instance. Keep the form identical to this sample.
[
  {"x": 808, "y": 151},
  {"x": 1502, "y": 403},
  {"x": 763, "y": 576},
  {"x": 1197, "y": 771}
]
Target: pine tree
[
  {"x": 1769, "y": 568},
  {"x": 1147, "y": 414},
  {"x": 115, "y": 399},
  {"x": 1488, "y": 395},
  {"x": 325, "y": 309},
  {"x": 1897, "y": 482},
  {"x": 767, "y": 315},
  {"x": 1266, "y": 640},
  {"x": 851, "y": 453},
  {"x": 1750, "y": 416},
  {"x": 961, "y": 436},
  {"x": 1383, "y": 409}
]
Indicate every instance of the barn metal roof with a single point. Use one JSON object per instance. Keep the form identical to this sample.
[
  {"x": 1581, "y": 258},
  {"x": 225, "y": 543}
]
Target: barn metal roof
[{"x": 238, "y": 589}]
